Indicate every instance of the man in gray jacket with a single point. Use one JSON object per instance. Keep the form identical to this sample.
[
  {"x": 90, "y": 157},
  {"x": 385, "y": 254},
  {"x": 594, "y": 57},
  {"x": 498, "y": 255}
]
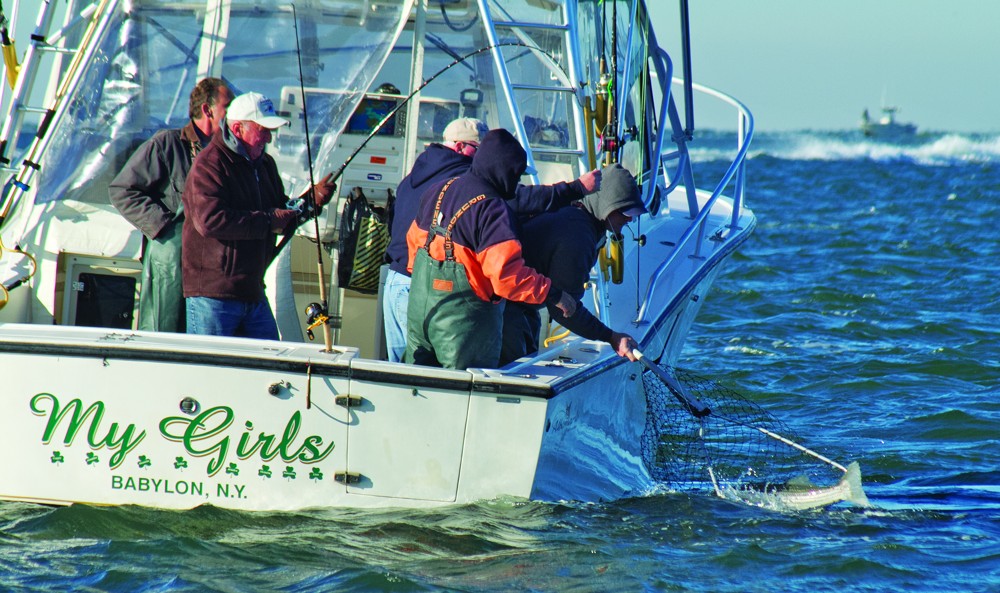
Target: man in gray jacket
[{"x": 147, "y": 192}]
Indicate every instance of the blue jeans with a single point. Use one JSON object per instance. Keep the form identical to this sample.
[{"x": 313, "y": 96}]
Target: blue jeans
[
  {"x": 221, "y": 317},
  {"x": 395, "y": 298}
]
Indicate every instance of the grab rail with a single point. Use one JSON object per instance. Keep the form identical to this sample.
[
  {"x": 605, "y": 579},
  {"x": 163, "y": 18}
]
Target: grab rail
[{"x": 737, "y": 168}]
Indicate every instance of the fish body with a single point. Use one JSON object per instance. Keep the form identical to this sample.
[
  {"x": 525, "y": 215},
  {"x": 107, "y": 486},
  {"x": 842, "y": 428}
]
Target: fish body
[{"x": 803, "y": 497}]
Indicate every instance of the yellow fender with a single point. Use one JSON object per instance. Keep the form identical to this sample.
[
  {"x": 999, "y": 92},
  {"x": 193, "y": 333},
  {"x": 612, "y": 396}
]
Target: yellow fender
[
  {"x": 611, "y": 261},
  {"x": 10, "y": 61}
]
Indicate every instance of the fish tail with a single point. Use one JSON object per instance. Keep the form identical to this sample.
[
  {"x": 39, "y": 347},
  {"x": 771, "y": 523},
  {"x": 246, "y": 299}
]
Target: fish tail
[{"x": 855, "y": 493}]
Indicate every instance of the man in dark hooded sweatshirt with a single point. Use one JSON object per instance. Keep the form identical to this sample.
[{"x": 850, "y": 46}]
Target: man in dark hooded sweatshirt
[
  {"x": 563, "y": 245},
  {"x": 465, "y": 259},
  {"x": 439, "y": 161}
]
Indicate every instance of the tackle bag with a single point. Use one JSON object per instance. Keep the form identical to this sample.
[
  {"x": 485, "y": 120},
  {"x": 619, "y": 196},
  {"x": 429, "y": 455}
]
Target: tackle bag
[{"x": 364, "y": 235}]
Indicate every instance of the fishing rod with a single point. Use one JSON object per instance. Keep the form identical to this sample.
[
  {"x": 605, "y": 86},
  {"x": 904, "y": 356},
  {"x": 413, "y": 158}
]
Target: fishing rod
[
  {"x": 318, "y": 313},
  {"x": 392, "y": 112},
  {"x": 9, "y": 52},
  {"x": 319, "y": 317}
]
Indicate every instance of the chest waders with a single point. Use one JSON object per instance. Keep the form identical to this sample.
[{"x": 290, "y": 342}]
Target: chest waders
[
  {"x": 161, "y": 298},
  {"x": 448, "y": 324}
]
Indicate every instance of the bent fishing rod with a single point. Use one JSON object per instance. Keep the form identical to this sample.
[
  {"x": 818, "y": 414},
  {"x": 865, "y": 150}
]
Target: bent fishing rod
[
  {"x": 318, "y": 313},
  {"x": 389, "y": 116}
]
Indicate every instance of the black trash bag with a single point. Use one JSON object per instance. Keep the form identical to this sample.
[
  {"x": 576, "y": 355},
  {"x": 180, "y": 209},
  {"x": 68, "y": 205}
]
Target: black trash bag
[{"x": 364, "y": 235}]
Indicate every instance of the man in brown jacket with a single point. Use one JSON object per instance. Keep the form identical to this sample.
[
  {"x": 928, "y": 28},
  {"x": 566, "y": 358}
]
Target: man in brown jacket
[{"x": 235, "y": 205}]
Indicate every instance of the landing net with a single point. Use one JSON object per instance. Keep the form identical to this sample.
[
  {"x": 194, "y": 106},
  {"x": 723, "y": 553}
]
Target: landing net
[{"x": 737, "y": 447}]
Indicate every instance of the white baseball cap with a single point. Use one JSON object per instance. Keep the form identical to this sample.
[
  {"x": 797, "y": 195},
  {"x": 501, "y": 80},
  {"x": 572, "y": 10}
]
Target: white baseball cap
[
  {"x": 465, "y": 129},
  {"x": 257, "y": 108}
]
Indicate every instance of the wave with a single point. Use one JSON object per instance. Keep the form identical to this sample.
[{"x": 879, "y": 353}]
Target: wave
[{"x": 924, "y": 149}]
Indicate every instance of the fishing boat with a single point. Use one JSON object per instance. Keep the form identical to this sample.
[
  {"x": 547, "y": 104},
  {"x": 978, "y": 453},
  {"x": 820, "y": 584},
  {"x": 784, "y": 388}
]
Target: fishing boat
[
  {"x": 886, "y": 127},
  {"x": 97, "y": 412}
]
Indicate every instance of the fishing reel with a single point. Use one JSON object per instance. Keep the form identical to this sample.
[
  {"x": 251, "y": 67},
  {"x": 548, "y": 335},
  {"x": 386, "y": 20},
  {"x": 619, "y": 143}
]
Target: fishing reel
[
  {"x": 305, "y": 208},
  {"x": 316, "y": 314}
]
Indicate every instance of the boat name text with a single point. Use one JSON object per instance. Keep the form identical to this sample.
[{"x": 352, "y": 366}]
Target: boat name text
[{"x": 206, "y": 435}]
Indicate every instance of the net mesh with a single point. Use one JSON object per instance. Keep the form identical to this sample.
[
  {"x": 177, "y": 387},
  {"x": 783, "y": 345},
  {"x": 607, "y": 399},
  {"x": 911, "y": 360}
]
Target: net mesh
[{"x": 725, "y": 450}]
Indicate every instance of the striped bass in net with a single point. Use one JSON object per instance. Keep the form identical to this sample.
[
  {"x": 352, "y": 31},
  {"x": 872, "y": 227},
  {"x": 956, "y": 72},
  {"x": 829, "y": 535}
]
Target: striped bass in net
[{"x": 802, "y": 495}]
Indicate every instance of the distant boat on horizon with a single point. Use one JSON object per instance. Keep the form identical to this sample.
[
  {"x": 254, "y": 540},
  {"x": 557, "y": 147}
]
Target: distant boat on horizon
[{"x": 886, "y": 126}]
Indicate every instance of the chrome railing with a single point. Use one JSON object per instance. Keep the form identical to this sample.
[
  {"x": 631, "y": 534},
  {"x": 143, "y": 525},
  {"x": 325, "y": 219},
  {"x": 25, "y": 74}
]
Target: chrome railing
[{"x": 696, "y": 230}]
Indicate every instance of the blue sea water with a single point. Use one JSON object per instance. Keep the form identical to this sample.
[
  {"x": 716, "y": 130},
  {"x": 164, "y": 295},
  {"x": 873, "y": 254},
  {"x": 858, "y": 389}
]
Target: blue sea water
[{"x": 863, "y": 312}]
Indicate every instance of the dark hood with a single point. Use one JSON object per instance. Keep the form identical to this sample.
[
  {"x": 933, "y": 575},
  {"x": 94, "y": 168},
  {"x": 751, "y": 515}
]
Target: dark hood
[
  {"x": 618, "y": 192},
  {"x": 500, "y": 162}
]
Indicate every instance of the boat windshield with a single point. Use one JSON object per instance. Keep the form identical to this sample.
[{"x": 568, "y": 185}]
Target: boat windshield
[{"x": 156, "y": 50}]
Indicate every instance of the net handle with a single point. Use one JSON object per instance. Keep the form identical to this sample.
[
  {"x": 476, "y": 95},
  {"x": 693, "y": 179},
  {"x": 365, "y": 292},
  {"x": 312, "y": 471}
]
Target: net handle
[{"x": 695, "y": 407}]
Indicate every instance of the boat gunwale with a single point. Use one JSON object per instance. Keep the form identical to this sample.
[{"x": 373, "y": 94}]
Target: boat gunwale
[{"x": 354, "y": 369}]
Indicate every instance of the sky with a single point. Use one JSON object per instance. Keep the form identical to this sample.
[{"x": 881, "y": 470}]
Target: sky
[{"x": 816, "y": 64}]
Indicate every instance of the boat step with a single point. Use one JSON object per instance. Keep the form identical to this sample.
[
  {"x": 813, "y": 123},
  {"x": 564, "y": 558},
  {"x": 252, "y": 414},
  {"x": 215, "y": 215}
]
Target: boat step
[
  {"x": 57, "y": 50},
  {"x": 528, "y": 25},
  {"x": 556, "y": 151},
  {"x": 547, "y": 89}
]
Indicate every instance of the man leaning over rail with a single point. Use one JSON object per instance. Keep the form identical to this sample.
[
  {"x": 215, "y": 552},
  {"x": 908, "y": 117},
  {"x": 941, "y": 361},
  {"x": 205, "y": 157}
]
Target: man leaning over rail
[{"x": 563, "y": 245}]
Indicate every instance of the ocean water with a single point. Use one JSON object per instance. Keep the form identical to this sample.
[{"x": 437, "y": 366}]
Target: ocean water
[{"x": 863, "y": 313}]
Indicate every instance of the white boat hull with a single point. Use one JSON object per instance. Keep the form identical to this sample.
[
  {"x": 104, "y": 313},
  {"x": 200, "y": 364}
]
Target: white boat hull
[{"x": 105, "y": 416}]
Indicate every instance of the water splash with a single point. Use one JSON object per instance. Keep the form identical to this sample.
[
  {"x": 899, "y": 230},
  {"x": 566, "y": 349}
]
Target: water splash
[{"x": 924, "y": 149}]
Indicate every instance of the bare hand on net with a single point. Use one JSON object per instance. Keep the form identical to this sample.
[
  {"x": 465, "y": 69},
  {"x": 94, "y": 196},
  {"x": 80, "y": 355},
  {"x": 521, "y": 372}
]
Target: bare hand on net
[
  {"x": 624, "y": 344},
  {"x": 567, "y": 305},
  {"x": 591, "y": 181}
]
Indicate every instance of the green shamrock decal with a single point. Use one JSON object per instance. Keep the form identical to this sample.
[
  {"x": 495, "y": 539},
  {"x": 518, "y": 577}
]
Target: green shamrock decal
[
  {"x": 57, "y": 457},
  {"x": 316, "y": 474},
  {"x": 289, "y": 472},
  {"x": 180, "y": 462},
  {"x": 264, "y": 471},
  {"x": 233, "y": 470},
  {"x": 144, "y": 461},
  {"x": 92, "y": 458}
]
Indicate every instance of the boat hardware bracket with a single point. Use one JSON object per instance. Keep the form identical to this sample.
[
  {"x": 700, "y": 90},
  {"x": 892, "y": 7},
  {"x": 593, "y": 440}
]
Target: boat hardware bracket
[
  {"x": 347, "y": 477},
  {"x": 348, "y": 401},
  {"x": 275, "y": 388}
]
